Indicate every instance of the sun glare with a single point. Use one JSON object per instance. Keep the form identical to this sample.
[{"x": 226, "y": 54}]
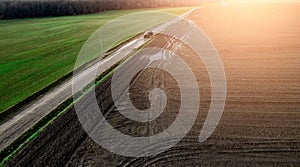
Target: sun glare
[{"x": 262, "y": 1}]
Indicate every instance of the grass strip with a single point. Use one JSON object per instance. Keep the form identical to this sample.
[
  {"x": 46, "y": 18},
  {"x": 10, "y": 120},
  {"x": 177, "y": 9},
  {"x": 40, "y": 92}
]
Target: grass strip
[{"x": 6, "y": 114}]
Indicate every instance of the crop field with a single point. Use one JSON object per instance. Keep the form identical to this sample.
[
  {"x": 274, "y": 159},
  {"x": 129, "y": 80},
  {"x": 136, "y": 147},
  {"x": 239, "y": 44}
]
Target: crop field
[
  {"x": 36, "y": 52},
  {"x": 260, "y": 122}
]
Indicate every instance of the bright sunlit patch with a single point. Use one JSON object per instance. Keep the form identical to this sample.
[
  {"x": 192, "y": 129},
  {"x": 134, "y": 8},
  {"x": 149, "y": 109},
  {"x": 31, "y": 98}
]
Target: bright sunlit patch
[{"x": 260, "y": 1}]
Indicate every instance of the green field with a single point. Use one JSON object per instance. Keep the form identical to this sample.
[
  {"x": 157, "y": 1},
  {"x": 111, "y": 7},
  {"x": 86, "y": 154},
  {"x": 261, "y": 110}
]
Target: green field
[{"x": 36, "y": 52}]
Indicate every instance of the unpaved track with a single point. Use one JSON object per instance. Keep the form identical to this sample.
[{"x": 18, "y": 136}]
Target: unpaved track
[
  {"x": 261, "y": 122},
  {"x": 13, "y": 128}
]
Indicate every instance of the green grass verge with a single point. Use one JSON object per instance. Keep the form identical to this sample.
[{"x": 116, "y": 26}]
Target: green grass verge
[
  {"x": 35, "y": 53},
  {"x": 8, "y": 113}
]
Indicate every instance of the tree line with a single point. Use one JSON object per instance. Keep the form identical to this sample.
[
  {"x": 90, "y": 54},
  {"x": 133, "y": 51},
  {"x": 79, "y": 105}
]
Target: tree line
[{"x": 11, "y": 9}]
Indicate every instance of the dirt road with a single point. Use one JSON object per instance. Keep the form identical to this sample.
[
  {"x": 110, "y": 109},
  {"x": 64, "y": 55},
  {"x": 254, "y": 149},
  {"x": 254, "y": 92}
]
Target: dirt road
[{"x": 28, "y": 116}]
